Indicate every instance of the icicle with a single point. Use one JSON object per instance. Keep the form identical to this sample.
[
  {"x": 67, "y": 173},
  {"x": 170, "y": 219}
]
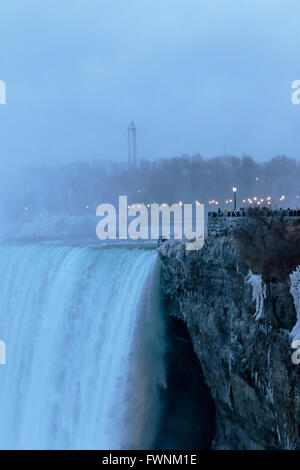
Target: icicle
[
  {"x": 259, "y": 293},
  {"x": 295, "y": 291}
]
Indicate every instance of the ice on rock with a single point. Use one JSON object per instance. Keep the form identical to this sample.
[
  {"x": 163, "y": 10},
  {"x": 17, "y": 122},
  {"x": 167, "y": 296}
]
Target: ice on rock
[
  {"x": 259, "y": 293},
  {"x": 295, "y": 291}
]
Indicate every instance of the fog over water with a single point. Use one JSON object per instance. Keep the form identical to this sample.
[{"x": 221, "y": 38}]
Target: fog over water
[{"x": 60, "y": 201}]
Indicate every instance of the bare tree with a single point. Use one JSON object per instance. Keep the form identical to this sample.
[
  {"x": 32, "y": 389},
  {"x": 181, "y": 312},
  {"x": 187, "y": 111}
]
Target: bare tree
[{"x": 268, "y": 245}]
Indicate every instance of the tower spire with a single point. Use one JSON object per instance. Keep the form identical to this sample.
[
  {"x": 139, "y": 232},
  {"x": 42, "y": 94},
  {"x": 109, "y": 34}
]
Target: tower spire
[{"x": 132, "y": 157}]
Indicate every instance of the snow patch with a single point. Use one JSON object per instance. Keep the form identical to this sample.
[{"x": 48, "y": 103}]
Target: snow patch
[{"x": 172, "y": 246}]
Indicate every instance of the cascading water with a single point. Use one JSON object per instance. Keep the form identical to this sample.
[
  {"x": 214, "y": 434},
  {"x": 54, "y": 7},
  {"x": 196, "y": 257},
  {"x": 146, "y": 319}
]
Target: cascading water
[{"x": 83, "y": 355}]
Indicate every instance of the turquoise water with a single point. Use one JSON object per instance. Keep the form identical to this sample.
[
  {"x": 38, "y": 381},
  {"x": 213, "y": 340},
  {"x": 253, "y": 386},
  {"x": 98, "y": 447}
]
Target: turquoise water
[{"x": 77, "y": 374}]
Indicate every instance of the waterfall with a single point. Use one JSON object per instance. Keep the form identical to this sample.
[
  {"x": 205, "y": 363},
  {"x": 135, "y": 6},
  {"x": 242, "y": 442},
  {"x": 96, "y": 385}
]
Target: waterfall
[{"x": 84, "y": 347}]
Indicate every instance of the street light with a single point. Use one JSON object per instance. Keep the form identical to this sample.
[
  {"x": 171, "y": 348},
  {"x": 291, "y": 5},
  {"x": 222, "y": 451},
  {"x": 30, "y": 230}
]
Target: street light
[{"x": 234, "y": 195}]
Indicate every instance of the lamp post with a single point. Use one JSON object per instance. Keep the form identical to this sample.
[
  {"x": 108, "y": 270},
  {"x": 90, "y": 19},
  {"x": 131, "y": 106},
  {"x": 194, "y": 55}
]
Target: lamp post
[{"x": 234, "y": 197}]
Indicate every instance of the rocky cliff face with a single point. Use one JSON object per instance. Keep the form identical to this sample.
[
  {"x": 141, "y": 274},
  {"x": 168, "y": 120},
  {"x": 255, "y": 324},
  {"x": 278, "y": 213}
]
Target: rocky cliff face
[{"x": 243, "y": 343}]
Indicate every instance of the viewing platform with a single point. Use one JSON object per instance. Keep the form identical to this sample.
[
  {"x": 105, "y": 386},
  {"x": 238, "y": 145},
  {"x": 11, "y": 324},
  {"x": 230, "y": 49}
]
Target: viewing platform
[{"x": 222, "y": 223}]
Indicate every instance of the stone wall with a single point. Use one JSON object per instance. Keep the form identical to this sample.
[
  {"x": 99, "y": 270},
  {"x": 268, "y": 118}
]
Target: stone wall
[{"x": 222, "y": 223}]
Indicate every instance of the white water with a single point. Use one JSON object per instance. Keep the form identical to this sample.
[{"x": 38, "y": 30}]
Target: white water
[{"x": 80, "y": 348}]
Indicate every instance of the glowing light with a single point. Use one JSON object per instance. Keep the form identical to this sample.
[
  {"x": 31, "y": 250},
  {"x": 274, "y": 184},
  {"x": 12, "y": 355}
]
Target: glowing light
[{"x": 234, "y": 189}]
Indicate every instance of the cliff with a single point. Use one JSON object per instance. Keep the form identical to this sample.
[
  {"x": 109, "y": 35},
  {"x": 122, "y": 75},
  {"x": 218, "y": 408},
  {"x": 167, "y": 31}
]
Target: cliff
[{"x": 240, "y": 330}]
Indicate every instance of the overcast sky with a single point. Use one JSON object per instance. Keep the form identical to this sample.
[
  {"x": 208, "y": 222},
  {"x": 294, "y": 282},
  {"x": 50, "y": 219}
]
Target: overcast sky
[{"x": 208, "y": 76}]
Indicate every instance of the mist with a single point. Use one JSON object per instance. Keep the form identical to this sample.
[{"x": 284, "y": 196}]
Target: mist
[
  {"x": 60, "y": 201},
  {"x": 199, "y": 76}
]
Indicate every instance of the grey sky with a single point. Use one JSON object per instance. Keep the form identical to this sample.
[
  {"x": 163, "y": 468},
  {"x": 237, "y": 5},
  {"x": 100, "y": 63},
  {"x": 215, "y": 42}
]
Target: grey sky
[{"x": 202, "y": 76}]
